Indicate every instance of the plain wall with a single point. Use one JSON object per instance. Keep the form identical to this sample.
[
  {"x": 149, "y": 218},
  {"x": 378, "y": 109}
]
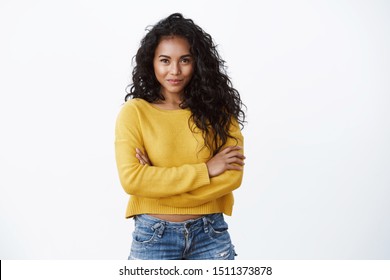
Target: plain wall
[{"x": 313, "y": 74}]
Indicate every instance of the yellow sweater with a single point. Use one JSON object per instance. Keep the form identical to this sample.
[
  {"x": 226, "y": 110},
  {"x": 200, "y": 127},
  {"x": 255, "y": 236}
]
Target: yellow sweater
[{"x": 178, "y": 182}]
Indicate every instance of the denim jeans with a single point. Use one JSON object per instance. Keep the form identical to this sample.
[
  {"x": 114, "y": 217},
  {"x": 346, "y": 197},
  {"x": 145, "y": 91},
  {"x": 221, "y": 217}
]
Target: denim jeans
[{"x": 205, "y": 238}]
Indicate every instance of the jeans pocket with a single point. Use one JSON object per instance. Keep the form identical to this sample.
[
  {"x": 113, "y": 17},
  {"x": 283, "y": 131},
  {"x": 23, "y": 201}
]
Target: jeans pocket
[
  {"x": 219, "y": 234},
  {"x": 218, "y": 229},
  {"x": 144, "y": 233}
]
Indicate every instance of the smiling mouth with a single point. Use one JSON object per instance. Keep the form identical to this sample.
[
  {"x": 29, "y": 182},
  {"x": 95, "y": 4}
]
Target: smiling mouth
[{"x": 174, "y": 81}]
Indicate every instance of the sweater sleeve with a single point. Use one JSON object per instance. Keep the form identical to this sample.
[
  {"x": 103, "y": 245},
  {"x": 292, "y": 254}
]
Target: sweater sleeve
[
  {"x": 150, "y": 181},
  {"x": 219, "y": 186}
]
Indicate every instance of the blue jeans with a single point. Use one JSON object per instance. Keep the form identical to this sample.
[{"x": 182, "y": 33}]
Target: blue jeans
[{"x": 205, "y": 238}]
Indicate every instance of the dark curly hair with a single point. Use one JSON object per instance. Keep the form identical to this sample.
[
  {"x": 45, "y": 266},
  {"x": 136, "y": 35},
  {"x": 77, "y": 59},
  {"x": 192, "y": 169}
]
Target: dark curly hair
[{"x": 210, "y": 96}]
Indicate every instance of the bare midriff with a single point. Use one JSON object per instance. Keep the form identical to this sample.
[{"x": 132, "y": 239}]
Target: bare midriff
[{"x": 175, "y": 218}]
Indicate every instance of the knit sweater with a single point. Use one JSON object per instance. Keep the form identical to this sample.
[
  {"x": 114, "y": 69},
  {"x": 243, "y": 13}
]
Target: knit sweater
[{"x": 177, "y": 181}]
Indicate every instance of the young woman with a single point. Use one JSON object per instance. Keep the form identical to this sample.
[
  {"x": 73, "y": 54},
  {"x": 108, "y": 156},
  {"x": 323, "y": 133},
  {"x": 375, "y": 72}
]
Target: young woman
[{"x": 178, "y": 144}]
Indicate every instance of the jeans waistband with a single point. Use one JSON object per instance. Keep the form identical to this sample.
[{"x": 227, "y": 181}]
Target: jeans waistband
[{"x": 148, "y": 220}]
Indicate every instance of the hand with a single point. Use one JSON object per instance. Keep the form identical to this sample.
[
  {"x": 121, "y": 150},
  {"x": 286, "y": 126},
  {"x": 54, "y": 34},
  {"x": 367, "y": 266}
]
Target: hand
[
  {"x": 229, "y": 158},
  {"x": 143, "y": 158}
]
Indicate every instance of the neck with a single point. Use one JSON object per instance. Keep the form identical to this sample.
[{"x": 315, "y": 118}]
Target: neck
[{"x": 171, "y": 101}]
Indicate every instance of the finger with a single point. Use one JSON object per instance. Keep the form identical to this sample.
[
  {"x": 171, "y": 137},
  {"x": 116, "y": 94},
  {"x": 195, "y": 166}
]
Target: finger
[
  {"x": 141, "y": 156},
  {"x": 234, "y": 167},
  {"x": 140, "y": 159},
  {"x": 138, "y": 154},
  {"x": 146, "y": 159},
  {"x": 235, "y": 160},
  {"x": 235, "y": 154},
  {"x": 235, "y": 148},
  {"x": 228, "y": 149}
]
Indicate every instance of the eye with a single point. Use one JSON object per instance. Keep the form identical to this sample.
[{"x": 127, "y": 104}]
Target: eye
[
  {"x": 164, "y": 60},
  {"x": 185, "y": 60}
]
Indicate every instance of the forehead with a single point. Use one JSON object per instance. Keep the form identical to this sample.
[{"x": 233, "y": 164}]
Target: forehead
[{"x": 173, "y": 45}]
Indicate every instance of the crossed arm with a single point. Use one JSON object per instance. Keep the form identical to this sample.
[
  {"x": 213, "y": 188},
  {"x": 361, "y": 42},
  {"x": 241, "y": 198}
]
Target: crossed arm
[
  {"x": 222, "y": 170},
  {"x": 230, "y": 158},
  {"x": 185, "y": 185}
]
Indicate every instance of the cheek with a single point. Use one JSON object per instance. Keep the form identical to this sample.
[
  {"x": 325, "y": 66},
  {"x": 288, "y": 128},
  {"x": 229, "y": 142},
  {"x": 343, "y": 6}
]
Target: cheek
[
  {"x": 158, "y": 71},
  {"x": 190, "y": 72}
]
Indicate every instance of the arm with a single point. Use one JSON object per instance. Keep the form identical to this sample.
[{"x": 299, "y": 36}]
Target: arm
[
  {"x": 219, "y": 186},
  {"x": 225, "y": 171},
  {"x": 146, "y": 180}
]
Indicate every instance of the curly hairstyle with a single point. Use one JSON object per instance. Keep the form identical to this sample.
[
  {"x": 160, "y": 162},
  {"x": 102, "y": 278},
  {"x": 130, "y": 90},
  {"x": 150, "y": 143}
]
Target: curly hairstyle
[{"x": 210, "y": 96}]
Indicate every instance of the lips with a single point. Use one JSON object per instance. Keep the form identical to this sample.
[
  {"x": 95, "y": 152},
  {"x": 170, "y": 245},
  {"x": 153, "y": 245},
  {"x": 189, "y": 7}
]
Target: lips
[{"x": 174, "y": 81}]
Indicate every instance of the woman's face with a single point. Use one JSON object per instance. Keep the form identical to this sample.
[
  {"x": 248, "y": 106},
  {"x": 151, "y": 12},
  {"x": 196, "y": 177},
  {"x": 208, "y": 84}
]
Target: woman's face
[{"x": 173, "y": 65}]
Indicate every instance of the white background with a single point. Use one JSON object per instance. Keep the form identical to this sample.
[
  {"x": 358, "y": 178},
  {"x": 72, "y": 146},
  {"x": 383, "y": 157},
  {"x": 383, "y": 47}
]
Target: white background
[{"x": 314, "y": 75}]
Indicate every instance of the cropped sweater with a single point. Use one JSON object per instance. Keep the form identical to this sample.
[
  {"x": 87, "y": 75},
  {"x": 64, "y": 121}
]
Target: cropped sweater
[{"x": 177, "y": 182}]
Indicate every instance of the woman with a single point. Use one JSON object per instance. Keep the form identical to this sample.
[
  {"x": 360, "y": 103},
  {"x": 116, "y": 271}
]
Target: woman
[{"x": 178, "y": 144}]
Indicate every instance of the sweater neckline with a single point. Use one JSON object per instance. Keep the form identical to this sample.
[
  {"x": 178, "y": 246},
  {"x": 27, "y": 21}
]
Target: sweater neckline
[{"x": 168, "y": 111}]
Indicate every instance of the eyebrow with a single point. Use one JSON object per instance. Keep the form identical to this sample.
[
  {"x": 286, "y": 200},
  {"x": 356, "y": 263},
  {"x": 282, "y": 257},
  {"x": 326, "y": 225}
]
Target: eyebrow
[{"x": 167, "y": 56}]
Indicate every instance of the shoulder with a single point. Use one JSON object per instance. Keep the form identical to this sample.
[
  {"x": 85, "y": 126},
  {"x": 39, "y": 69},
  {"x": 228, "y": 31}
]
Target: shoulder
[
  {"x": 131, "y": 110},
  {"x": 135, "y": 104},
  {"x": 234, "y": 125},
  {"x": 235, "y": 128},
  {"x": 134, "y": 107}
]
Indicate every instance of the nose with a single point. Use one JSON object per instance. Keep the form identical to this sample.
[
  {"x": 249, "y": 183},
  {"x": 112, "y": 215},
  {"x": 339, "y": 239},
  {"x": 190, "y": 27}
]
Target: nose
[{"x": 175, "y": 69}]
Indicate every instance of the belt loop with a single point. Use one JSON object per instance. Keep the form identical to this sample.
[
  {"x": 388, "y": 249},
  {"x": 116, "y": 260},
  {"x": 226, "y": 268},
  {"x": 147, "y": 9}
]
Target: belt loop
[
  {"x": 205, "y": 224},
  {"x": 160, "y": 227}
]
